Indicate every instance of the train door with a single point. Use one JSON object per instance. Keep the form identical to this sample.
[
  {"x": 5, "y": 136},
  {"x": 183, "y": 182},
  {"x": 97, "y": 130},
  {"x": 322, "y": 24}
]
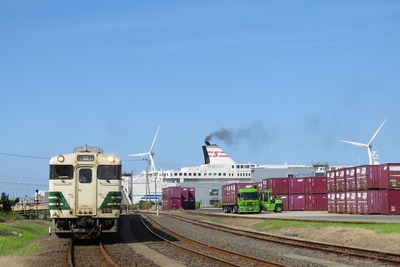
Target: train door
[{"x": 86, "y": 191}]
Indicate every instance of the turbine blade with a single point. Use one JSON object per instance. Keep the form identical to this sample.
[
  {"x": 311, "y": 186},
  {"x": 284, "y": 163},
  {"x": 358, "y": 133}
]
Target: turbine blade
[
  {"x": 354, "y": 143},
  {"x": 154, "y": 140},
  {"x": 370, "y": 142},
  {"x": 139, "y": 155}
]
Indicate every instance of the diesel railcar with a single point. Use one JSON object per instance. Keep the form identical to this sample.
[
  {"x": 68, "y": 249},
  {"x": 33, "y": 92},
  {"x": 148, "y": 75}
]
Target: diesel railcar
[{"x": 85, "y": 193}]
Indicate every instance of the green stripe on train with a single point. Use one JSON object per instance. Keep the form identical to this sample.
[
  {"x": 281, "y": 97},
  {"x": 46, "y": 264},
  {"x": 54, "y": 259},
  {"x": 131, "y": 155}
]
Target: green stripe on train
[
  {"x": 57, "y": 201},
  {"x": 113, "y": 199}
]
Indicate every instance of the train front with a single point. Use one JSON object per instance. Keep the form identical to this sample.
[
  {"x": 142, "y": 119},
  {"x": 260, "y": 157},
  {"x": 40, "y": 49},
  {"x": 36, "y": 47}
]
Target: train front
[{"x": 85, "y": 193}]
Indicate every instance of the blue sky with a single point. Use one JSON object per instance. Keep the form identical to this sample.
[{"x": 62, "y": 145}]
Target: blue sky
[{"x": 289, "y": 78}]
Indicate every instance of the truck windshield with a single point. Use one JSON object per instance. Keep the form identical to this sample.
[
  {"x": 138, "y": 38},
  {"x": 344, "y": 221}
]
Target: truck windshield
[{"x": 248, "y": 196}]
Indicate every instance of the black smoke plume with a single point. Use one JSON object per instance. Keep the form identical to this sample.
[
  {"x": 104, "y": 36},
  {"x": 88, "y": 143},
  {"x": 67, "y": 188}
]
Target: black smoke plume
[{"x": 255, "y": 134}]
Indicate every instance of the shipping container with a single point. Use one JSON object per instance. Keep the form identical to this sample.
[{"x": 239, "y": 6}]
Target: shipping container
[
  {"x": 351, "y": 179},
  {"x": 297, "y": 202},
  {"x": 317, "y": 184},
  {"x": 390, "y": 202},
  {"x": 285, "y": 200},
  {"x": 278, "y": 186},
  {"x": 171, "y": 204},
  {"x": 297, "y": 185},
  {"x": 389, "y": 176},
  {"x": 367, "y": 177},
  {"x": 230, "y": 191},
  {"x": 369, "y": 202},
  {"x": 317, "y": 202},
  {"x": 188, "y": 198},
  {"x": 351, "y": 202},
  {"x": 331, "y": 202},
  {"x": 331, "y": 181},
  {"x": 340, "y": 180},
  {"x": 171, "y": 192},
  {"x": 341, "y": 202}
]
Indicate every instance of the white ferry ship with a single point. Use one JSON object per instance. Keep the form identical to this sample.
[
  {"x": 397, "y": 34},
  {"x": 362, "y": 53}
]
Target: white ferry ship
[{"x": 218, "y": 169}]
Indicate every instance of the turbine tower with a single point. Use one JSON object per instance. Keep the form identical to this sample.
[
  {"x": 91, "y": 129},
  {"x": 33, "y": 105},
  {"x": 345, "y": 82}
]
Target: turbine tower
[
  {"x": 373, "y": 157},
  {"x": 150, "y": 153}
]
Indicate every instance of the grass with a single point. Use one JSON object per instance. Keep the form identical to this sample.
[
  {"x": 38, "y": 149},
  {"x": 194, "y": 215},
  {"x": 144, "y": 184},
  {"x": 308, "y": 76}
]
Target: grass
[
  {"x": 380, "y": 228},
  {"x": 18, "y": 236}
]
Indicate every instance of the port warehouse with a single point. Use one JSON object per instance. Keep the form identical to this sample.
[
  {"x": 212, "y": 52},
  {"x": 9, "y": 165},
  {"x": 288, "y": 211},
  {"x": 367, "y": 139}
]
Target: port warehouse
[{"x": 366, "y": 189}]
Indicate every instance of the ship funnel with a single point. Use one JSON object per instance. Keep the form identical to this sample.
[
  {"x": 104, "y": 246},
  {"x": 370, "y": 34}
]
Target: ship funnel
[{"x": 205, "y": 153}]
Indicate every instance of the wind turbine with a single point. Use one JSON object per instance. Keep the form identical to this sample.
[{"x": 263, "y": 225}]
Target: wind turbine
[
  {"x": 371, "y": 154},
  {"x": 150, "y": 153}
]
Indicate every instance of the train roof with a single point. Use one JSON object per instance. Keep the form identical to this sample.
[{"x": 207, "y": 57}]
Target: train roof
[{"x": 90, "y": 149}]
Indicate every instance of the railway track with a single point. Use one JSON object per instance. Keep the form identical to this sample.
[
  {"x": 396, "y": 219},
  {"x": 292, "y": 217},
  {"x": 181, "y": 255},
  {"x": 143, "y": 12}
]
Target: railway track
[
  {"x": 219, "y": 256},
  {"x": 378, "y": 256},
  {"x": 91, "y": 253}
]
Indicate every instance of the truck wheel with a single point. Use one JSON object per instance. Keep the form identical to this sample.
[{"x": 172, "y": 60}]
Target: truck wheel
[
  {"x": 278, "y": 208},
  {"x": 235, "y": 209}
]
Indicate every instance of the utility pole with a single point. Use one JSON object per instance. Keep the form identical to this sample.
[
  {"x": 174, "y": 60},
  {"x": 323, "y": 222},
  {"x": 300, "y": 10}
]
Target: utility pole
[
  {"x": 155, "y": 193},
  {"x": 131, "y": 186}
]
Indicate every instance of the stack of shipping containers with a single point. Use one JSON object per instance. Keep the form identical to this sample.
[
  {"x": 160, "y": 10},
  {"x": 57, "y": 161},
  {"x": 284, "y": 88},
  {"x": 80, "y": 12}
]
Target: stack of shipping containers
[
  {"x": 299, "y": 193},
  {"x": 177, "y": 197},
  {"x": 365, "y": 189}
]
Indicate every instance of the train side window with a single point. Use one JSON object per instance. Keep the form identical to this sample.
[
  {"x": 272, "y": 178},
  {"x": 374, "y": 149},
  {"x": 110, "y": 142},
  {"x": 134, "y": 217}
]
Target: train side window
[
  {"x": 58, "y": 172},
  {"x": 85, "y": 176}
]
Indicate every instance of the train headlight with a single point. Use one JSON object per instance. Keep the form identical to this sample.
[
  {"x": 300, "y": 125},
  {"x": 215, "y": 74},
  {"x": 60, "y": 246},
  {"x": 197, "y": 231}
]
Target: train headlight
[
  {"x": 111, "y": 159},
  {"x": 61, "y": 158}
]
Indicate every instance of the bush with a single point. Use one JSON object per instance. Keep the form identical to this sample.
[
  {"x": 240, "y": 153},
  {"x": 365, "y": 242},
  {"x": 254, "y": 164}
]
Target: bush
[{"x": 6, "y": 204}]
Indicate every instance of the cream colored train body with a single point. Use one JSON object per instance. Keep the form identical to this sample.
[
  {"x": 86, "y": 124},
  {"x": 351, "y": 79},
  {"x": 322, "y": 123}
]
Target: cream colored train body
[{"x": 85, "y": 193}]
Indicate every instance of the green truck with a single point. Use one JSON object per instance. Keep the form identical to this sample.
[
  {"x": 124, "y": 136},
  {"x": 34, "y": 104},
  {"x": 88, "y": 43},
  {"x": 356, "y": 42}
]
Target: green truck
[{"x": 246, "y": 198}]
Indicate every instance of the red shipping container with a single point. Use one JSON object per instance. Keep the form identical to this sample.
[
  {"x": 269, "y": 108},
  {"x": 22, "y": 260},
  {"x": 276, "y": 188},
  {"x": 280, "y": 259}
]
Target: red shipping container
[
  {"x": 331, "y": 183},
  {"x": 317, "y": 184},
  {"x": 369, "y": 202},
  {"x": 285, "y": 200},
  {"x": 340, "y": 180},
  {"x": 332, "y": 202},
  {"x": 172, "y": 204},
  {"x": 297, "y": 185},
  {"x": 188, "y": 192},
  {"x": 341, "y": 202},
  {"x": 351, "y": 179},
  {"x": 389, "y": 176},
  {"x": 316, "y": 202},
  {"x": 390, "y": 202},
  {"x": 367, "y": 177},
  {"x": 351, "y": 202},
  {"x": 172, "y": 192},
  {"x": 297, "y": 202},
  {"x": 279, "y": 186}
]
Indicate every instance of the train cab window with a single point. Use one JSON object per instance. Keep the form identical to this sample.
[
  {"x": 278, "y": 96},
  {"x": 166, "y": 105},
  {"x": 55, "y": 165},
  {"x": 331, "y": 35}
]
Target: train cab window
[
  {"x": 58, "y": 172},
  {"x": 106, "y": 172},
  {"x": 85, "y": 176}
]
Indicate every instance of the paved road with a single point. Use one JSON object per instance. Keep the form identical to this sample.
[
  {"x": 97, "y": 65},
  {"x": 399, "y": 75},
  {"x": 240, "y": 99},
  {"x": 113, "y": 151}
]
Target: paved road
[{"x": 316, "y": 215}]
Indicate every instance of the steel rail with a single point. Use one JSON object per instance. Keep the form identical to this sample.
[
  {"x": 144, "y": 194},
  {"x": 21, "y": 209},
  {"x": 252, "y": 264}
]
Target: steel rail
[
  {"x": 106, "y": 256},
  {"x": 231, "y": 254},
  {"x": 384, "y": 257}
]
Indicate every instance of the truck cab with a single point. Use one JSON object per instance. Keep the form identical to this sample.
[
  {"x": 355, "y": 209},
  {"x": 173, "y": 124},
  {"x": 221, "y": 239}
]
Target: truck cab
[{"x": 269, "y": 202}]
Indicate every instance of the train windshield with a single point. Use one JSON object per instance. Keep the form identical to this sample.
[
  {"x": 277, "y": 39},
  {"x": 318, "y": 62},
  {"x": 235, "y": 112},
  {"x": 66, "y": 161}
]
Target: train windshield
[
  {"x": 61, "y": 172},
  {"x": 107, "y": 172}
]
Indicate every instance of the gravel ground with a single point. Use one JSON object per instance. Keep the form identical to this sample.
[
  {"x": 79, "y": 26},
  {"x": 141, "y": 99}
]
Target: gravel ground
[
  {"x": 54, "y": 249},
  {"x": 281, "y": 254}
]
